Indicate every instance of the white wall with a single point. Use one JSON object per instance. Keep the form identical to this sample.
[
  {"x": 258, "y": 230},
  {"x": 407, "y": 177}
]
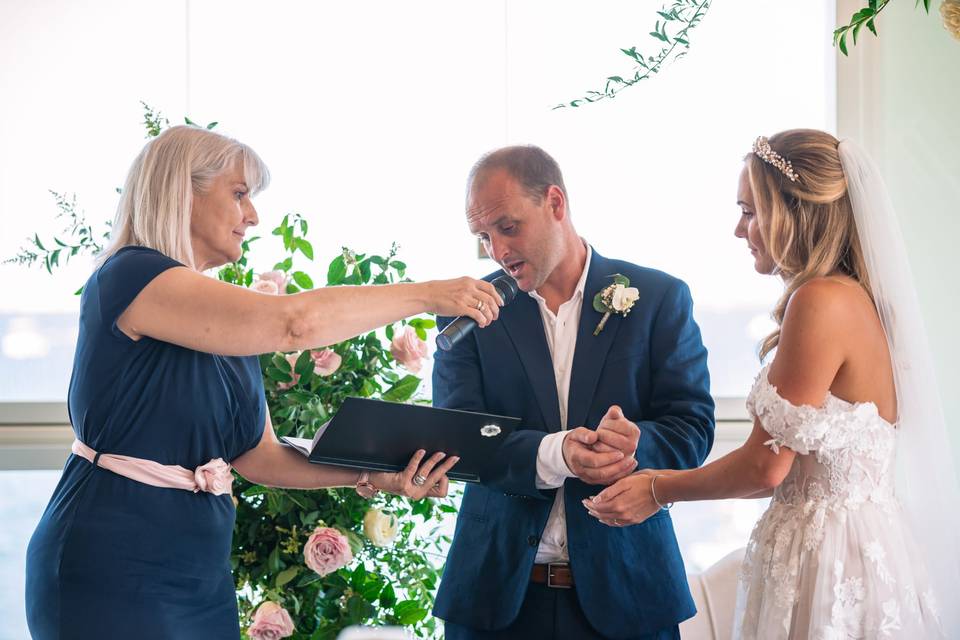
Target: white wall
[{"x": 899, "y": 95}]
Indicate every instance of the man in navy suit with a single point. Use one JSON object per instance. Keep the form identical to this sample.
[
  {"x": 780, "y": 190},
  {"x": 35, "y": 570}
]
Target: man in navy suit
[{"x": 527, "y": 560}]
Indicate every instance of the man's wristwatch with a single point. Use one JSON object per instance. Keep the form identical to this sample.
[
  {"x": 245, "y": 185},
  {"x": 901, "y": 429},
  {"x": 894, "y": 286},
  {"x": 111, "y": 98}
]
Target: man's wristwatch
[{"x": 365, "y": 488}]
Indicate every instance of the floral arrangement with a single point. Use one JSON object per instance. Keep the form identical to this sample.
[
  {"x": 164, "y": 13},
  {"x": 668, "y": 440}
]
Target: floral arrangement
[{"x": 310, "y": 563}]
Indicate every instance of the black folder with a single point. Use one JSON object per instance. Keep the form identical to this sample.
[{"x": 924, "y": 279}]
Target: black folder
[{"x": 382, "y": 436}]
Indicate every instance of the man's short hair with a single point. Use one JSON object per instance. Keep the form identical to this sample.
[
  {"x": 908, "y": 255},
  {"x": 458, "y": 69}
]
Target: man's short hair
[{"x": 529, "y": 165}]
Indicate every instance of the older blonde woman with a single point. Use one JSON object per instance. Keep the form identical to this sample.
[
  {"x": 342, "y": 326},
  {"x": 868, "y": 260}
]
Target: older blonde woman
[{"x": 166, "y": 395}]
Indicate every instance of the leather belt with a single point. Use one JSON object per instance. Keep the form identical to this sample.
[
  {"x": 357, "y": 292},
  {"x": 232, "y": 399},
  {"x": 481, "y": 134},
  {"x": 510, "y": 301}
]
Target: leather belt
[{"x": 556, "y": 575}]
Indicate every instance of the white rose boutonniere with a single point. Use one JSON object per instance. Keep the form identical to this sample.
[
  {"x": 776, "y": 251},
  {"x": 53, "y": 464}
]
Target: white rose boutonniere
[{"x": 619, "y": 297}]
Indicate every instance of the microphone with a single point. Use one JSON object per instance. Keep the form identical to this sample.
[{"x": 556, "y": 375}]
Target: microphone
[{"x": 459, "y": 328}]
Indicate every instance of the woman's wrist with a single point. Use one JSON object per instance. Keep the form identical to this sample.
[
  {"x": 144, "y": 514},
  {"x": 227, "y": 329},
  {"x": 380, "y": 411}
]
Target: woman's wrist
[
  {"x": 666, "y": 487},
  {"x": 420, "y": 292}
]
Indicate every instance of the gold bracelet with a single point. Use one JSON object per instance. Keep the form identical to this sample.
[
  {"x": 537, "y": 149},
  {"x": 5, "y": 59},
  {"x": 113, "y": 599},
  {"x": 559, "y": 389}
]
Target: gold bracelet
[{"x": 653, "y": 492}]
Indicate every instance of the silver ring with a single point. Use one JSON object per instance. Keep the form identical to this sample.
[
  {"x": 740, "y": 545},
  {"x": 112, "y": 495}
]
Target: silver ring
[
  {"x": 479, "y": 305},
  {"x": 419, "y": 480}
]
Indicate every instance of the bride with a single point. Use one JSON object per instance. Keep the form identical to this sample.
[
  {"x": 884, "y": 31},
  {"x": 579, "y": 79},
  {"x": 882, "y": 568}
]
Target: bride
[{"x": 860, "y": 539}]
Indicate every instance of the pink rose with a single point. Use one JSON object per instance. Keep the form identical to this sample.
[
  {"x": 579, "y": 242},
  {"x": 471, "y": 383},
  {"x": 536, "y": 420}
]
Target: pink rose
[
  {"x": 270, "y": 622},
  {"x": 408, "y": 349},
  {"x": 214, "y": 477},
  {"x": 279, "y": 278},
  {"x": 325, "y": 362},
  {"x": 265, "y": 286},
  {"x": 327, "y": 550}
]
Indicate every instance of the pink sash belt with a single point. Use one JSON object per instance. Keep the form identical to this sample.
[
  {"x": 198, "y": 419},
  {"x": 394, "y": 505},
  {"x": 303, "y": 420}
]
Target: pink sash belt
[{"x": 213, "y": 477}]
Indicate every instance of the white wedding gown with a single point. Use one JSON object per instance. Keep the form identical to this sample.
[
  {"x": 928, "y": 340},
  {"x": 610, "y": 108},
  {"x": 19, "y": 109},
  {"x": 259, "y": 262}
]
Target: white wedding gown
[{"x": 832, "y": 558}]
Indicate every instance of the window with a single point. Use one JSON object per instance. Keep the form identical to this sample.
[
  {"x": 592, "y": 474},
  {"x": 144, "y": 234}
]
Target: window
[{"x": 370, "y": 116}]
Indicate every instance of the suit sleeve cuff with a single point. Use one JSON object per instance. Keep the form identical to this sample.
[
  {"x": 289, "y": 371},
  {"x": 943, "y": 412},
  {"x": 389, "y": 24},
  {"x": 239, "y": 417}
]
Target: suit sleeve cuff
[{"x": 552, "y": 470}]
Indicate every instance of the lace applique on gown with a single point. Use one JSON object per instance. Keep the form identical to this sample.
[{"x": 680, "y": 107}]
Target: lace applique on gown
[{"x": 832, "y": 557}]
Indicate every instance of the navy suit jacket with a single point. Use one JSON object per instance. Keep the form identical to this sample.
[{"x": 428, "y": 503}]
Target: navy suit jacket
[{"x": 630, "y": 581}]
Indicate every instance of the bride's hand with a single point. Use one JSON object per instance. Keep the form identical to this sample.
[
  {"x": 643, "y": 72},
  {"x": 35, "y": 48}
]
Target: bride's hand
[
  {"x": 421, "y": 479},
  {"x": 464, "y": 297},
  {"x": 626, "y": 502}
]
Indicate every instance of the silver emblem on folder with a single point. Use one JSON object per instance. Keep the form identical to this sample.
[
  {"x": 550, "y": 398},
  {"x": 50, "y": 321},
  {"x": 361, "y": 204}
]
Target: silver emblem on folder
[{"x": 490, "y": 430}]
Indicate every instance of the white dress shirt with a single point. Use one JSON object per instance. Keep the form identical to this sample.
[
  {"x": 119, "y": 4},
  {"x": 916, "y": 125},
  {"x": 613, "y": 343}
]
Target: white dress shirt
[{"x": 561, "y": 333}]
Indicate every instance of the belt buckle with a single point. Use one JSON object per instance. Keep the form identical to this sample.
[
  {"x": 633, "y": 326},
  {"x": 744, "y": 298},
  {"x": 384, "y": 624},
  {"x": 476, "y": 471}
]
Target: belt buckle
[{"x": 550, "y": 567}]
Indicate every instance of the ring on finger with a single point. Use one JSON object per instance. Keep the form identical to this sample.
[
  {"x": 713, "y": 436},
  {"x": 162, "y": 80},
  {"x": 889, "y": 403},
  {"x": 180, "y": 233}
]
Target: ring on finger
[
  {"x": 616, "y": 522},
  {"x": 419, "y": 480},
  {"x": 479, "y": 305}
]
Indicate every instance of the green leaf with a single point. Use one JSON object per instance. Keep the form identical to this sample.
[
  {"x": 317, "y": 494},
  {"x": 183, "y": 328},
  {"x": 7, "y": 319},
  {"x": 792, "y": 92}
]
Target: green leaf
[
  {"x": 36, "y": 241},
  {"x": 358, "y": 577},
  {"x": 843, "y": 44},
  {"x": 388, "y": 597},
  {"x": 337, "y": 271},
  {"x": 409, "y": 612},
  {"x": 212, "y": 124},
  {"x": 307, "y": 578},
  {"x": 871, "y": 26},
  {"x": 402, "y": 390},
  {"x": 424, "y": 323},
  {"x": 279, "y": 376},
  {"x": 303, "y": 280},
  {"x": 359, "y": 609},
  {"x": 398, "y": 265},
  {"x": 305, "y": 247},
  {"x": 367, "y": 389},
  {"x": 254, "y": 491},
  {"x": 273, "y": 561},
  {"x": 189, "y": 121},
  {"x": 389, "y": 331},
  {"x": 621, "y": 279},
  {"x": 286, "y": 576},
  {"x": 284, "y": 266},
  {"x": 364, "y": 271},
  {"x": 598, "y": 304},
  {"x": 304, "y": 363}
]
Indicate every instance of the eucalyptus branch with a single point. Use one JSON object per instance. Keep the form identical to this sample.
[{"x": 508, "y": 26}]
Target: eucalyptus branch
[
  {"x": 683, "y": 16},
  {"x": 865, "y": 18},
  {"x": 153, "y": 121},
  {"x": 80, "y": 238}
]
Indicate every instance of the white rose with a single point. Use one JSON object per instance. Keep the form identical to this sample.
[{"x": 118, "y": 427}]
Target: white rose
[
  {"x": 624, "y": 297},
  {"x": 380, "y": 528}
]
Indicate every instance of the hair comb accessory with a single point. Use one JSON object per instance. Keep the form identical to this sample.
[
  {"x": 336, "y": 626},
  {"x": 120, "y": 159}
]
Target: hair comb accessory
[{"x": 762, "y": 149}]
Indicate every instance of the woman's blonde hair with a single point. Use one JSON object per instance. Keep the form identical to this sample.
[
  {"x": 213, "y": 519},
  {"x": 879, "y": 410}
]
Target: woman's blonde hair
[
  {"x": 157, "y": 198},
  {"x": 807, "y": 225}
]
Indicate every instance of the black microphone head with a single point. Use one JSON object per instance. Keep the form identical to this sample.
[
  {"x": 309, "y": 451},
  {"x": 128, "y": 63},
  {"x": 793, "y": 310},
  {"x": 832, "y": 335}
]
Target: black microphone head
[{"x": 506, "y": 287}]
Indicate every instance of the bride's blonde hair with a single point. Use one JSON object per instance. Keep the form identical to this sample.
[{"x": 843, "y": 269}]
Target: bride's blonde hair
[
  {"x": 157, "y": 198},
  {"x": 807, "y": 224}
]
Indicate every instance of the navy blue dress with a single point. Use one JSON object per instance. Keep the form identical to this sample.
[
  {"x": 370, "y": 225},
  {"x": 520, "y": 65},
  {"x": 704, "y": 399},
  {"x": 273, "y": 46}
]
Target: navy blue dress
[{"x": 115, "y": 558}]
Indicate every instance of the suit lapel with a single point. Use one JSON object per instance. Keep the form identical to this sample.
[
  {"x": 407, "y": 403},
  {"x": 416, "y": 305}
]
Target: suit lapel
[
  {"x": 591, "y": 351},
  {"x": 524, "y": 325}
]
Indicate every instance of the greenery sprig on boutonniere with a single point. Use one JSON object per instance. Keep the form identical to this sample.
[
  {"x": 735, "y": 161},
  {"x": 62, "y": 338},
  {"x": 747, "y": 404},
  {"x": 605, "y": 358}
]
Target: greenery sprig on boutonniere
[{"x": 619, "y": 297}]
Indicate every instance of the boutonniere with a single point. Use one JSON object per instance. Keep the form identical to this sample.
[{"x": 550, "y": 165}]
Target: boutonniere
[{"x": 619, "y": 297}]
